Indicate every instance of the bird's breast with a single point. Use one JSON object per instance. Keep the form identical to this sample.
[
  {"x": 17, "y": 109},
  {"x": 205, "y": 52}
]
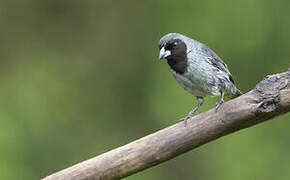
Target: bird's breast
[{"x": 193, "y": 87}]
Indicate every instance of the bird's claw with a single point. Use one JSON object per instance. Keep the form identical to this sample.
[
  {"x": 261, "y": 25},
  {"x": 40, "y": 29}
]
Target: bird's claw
[
  {"x": 190, "y": 114},
  {"x": 185, "y": 119},
  {"x": 218, "y": 104}
]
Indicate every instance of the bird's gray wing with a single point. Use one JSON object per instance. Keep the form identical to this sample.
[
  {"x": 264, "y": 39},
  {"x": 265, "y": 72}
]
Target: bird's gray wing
[
  {"x": 214, "y": 59},
  {"x": 195, "y": 47},
  {"x": 210, "y": 57}
]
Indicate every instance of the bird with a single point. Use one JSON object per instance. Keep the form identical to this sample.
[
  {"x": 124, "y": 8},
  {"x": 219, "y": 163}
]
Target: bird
[{"x": 198, "y": 69}]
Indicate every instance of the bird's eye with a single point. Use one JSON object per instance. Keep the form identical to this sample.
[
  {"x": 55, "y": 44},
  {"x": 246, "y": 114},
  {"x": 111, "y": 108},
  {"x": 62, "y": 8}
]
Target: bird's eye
[{"x": 175, "y": 44}]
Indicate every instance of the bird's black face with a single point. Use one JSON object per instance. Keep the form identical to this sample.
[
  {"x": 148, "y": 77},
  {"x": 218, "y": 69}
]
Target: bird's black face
[
  {"x": 173, "y": 49},
  {"x": 175, "y": 52}
]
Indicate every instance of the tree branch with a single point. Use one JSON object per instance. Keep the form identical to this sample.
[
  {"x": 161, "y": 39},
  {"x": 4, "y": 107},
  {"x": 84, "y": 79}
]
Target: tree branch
[{"x": 270, "y": 98}]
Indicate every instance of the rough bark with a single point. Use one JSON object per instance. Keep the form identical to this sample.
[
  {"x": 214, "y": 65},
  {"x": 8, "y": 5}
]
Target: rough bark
[{"x": 270, "y": 98}]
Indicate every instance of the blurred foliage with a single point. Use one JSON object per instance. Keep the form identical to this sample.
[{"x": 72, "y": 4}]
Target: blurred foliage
[{"x": 79, "y": 78}]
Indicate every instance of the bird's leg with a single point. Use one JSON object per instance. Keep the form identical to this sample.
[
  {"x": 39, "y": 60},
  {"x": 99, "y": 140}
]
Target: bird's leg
[
  {"x": 199, "y": 103},
  {"x": 218, "y": 104}
]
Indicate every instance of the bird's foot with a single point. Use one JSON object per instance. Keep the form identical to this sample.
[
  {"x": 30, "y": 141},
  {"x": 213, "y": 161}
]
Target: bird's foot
[
  {"x": 190, "y": 114},
  {"x": 218, "y": 104},
  {"x": 186, "y": 118}
]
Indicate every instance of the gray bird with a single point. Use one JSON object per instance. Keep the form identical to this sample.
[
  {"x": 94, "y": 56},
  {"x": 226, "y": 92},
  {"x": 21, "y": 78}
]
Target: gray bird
[{"x": 197, "y": 69}]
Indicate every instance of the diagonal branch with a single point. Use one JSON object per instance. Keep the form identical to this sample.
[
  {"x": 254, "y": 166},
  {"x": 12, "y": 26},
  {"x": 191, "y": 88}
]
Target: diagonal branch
[{"x": 270, "y": 98}]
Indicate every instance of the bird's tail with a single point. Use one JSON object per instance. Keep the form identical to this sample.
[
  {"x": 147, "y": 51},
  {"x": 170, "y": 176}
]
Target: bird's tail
[{"x": 235, "y": 92}]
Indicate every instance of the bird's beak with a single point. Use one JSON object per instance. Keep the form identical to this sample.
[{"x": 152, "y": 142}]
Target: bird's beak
[{"x": 164, "y": 53}]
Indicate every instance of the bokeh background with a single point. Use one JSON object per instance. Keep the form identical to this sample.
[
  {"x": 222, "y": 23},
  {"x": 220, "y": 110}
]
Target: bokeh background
[{"x": 79, "y": 78}]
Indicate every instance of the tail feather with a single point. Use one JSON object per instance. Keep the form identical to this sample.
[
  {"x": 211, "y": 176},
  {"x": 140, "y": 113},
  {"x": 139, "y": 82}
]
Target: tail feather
[{"x": 236, "y": 93}]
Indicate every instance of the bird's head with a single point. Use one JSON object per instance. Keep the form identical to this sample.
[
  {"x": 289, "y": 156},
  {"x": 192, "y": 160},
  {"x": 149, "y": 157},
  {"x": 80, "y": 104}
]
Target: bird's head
[{"x": 172, "y": 49}]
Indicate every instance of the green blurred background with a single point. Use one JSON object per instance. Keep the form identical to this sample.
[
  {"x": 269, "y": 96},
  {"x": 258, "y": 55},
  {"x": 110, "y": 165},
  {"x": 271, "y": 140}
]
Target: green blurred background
[{"x": 79, "y": 78}]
